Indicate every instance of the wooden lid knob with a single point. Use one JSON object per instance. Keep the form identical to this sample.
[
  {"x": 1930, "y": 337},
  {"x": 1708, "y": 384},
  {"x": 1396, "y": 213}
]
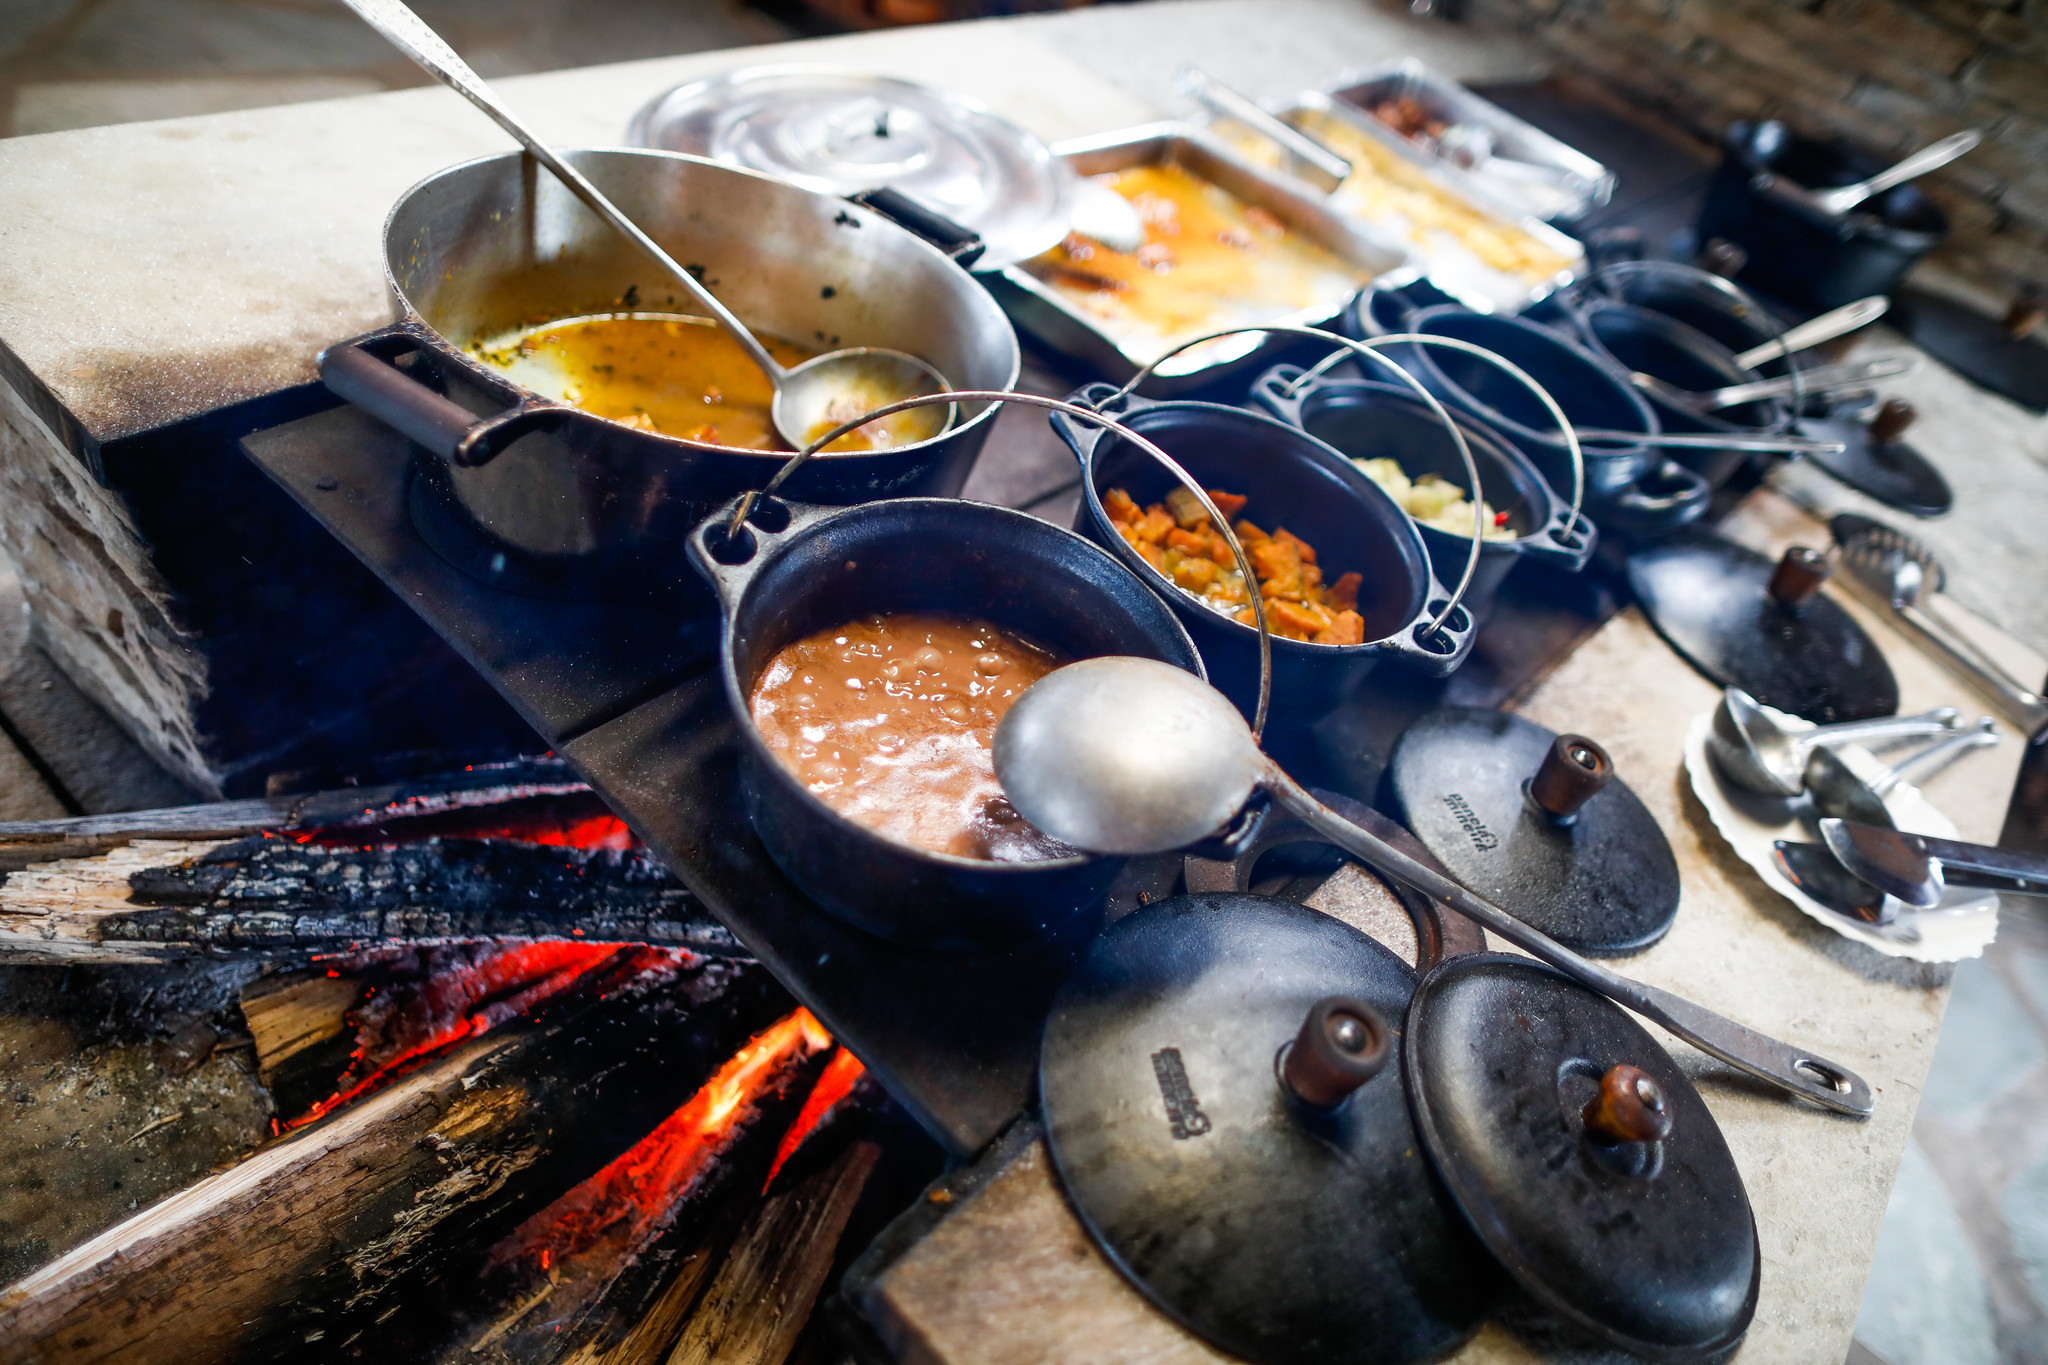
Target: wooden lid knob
[
  {"x": 1892, "y": 420},
  {"x": 1724, "y": 258},
  {"x": 1629, "y": 1108},
  {"x": 1343, "y": 1043},
  {"x": 2027, "y": 313},
  {"x": 1799, "y": 575},
  {"x": 1572, "y": 772}
]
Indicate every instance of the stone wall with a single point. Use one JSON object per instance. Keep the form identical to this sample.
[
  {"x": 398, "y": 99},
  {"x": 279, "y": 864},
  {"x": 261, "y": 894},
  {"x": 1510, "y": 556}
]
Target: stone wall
[{"x": 1889, "y": 74}]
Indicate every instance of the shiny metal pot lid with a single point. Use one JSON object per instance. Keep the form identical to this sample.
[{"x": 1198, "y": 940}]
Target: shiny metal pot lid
[{"x": 839, "y": 131}]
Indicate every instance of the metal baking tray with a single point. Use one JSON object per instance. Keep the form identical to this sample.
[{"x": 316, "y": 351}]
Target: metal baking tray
[
  {"x": 1592, "y": 183},
  {"x": 1043, "y": 312},
  {"x": 1452, "y": 268}
]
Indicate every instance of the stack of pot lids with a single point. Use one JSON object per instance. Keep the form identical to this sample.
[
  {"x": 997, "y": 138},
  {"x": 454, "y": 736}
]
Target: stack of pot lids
[
  {"x": 1286, "y": 1232},
  {"x": 840, "y": 132}
]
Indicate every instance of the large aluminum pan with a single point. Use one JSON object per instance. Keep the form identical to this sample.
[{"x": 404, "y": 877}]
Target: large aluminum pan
[
  {"x": 1520, "y": 258},
  {"x": 1582, "y": 183},
  {"x": 1056, "y": 320}
]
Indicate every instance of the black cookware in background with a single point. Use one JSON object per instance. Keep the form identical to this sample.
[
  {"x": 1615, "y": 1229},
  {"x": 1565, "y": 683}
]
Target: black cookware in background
[
  {"x": 1366, "y": 420},
  {"x": 1295, "y": 481},
  {"x": 795, "y": 569},
  {"x": 1798, "y": 253},
  {"x": 1631, "y": 490}
]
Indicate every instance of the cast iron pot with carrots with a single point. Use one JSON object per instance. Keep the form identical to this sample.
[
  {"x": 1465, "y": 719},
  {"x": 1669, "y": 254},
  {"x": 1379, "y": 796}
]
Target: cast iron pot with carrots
[{"x": 1335, "y": 521}]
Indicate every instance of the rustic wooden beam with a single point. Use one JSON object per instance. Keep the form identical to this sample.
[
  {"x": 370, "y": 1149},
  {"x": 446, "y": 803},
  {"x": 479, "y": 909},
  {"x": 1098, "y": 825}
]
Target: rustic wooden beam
[
  {"x": 337, "y": 1222},
  {"x": 156, "y": 899}
]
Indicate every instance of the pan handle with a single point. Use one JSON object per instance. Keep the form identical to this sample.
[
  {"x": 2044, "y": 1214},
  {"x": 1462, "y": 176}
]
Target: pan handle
[
  {"x": 730, "y": 559},
  {"x": 1636, "y": 512},
  {"x": 1275, "y": 391},
  {"x": 1565, "y": 541},
  {"x": 963, "y": 244},
  {"x": 1435, "y": 654},
  {"x": 364, "y": 373}
]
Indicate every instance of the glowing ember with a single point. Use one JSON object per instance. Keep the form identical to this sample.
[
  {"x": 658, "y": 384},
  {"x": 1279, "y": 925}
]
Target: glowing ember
[
  {"x": 841, "y": 1074},
  {"x": 571, "y": 819},
  {"x": 430, "y": 999},
  {"x": 632, "y": 1198}
]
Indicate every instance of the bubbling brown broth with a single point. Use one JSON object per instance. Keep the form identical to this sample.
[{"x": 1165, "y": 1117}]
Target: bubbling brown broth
[{"x": 890, "y": 721}]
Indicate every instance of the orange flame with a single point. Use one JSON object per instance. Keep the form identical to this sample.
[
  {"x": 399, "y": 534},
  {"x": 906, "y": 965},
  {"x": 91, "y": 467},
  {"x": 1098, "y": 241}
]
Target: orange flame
[
  {"x": 633, "y": 1195},
  {"x": 841, "y": 1074},
  {"x": 466, "y": 1001}
]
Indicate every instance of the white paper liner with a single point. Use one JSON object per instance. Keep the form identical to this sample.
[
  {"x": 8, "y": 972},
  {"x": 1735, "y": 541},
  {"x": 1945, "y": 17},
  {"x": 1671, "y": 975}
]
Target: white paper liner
[{"x": 1961, "y": 926}]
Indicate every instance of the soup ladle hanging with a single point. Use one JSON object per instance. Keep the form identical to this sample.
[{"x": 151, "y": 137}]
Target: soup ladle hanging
[{"x": 819, "y": 393}]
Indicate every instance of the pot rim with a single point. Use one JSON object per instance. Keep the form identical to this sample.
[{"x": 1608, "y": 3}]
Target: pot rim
[
  {"x": 410, "y": 317},
  {"x": 1325, "y": 387},
  {"x": 757, "y": 747},
  {"x": 1577, "y": 354},
  {"x": 1587, "y": 308},
  {"x": 1161, "y": 586}
]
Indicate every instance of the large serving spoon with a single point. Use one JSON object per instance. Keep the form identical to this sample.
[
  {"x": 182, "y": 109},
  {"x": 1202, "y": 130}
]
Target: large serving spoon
[
  {"x": 1932, "y": 157},
  {"x": 1836, "y": 322},
  {"x": 1824, "y": 379},
  {"x": 1917, "y": 868},
  {"x": 1132, "y": 756},
  {"x": 1836, "y": 791},
  {"x": 1758, "y": 754},
  {"x": 810, "y": 398}
]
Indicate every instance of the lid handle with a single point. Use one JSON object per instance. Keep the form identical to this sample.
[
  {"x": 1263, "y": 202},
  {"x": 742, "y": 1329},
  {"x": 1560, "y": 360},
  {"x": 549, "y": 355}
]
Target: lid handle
[
  {"x": 1799, "y": 576},
  {"x": 1892, "y": 420},
  {"x": 1572, "y": 772},
  {"x": 1629, "y": 1108},
  {"x": 1343, "y": 1043}
]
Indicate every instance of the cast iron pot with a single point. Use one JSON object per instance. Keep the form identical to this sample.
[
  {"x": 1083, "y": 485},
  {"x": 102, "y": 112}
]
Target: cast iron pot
[
  {"x": 796, "y": 569},
  {"x": 1636, "y": 338},
  {"x": 1380, "y": 309},
  {"x": 1366, "y": 420},
  {"x": 1797, "y": 252},
  {"x": 1295, "y": 481},
  {"x": 1698, "y": 298},
  {"x": 1632, "y": 490},
  {"x": 494, "y": 244}
]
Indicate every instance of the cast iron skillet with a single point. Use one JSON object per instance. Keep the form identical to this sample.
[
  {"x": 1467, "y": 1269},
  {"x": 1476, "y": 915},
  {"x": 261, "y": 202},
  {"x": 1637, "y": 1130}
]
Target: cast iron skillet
[
  {"x": 1293, "y": 480},
  {"x": 1633, "y": 490},
  {"x": 795, "y": 569},
  {"x": 1636, "y": 338},
  {"x": 1364, "y": 420}
]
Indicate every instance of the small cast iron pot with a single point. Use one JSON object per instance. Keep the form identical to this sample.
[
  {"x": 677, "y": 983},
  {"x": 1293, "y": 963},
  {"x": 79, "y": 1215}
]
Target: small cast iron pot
[
  {"x": 1382, "y": 309},
  {"x": 1367, "y": 420},
  {"x": 486, "y": 247},
  {"x": 796, "y": 569},
  {"x": 1293, "y": 480},
  {"x": 1700, "y": 299},
  {"x": 1633, "y": 490},
  {"x": 1636, "y": 338}
]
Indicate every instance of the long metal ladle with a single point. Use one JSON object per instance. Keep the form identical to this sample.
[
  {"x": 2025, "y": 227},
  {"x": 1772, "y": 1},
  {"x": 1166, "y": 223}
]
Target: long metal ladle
[
  {"x": 821, "y": 392},
  {"x": 1132, "y": 756}
]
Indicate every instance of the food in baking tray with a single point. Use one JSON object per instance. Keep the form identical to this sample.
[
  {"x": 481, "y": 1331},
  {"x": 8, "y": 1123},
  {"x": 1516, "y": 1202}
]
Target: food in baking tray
[
  {"x": 1176, "y": 538},
  {"x": 1210, "y": 261}
]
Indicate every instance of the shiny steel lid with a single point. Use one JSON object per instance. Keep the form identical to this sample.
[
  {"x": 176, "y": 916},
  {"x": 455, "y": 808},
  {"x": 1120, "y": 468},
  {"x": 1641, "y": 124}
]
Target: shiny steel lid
[{"x": 839, "y": 131}]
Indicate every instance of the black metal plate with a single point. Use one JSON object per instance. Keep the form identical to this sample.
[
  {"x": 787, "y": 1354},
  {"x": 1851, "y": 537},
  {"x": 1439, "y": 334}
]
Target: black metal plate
[
  {"x": 1893, "y": 472},
  {"x": 1650, "y": 1246},
  {"x": 1708, "y": 598},
  {"x": 1280, "y": 1235},
  {"x": 1604, "y": 884},
  {"x": 1975, "y": 347},
  {"x": 628, "y": 695}
]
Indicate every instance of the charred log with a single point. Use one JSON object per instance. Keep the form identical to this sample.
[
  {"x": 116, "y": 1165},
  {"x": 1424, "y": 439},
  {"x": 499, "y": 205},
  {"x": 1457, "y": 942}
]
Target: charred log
[
  {"x": 159, "y": 899},
  {"x": 341, "y": 1220}
]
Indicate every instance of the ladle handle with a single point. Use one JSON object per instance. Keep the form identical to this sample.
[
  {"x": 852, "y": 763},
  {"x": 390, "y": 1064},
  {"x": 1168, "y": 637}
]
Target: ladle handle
[
  {"x": 1993, "y": 869},
  {"x": 1829, "y": 325},
  {"x": 1937, "y": 756},
  {"x": 1932, "y": 157},
  {"x": 1789, "y": 1068},
  {"x": 410, "y": 34},
  {"x": 1940, "y": 721}
]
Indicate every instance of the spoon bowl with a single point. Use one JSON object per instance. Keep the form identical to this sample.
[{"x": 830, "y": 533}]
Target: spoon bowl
[
  {"x": 839, "y": 386},
  {"x": 1758, "y": 754}
]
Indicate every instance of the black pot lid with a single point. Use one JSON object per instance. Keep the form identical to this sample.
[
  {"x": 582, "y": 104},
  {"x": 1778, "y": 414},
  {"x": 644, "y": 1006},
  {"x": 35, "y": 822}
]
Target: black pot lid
[
  {"x": 1281, "y": 1233},
  {"x": 1602, "y": 881},
  {"x": 1710, "y": 599},
  {"x": 1649, "y": 1245},
  {"x": 1893, "y": 472},
  {"x": 841, "y": 131}
]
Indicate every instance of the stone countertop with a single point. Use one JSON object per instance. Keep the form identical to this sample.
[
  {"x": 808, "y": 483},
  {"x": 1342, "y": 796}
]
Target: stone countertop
[{"x": 150, "y": 272}]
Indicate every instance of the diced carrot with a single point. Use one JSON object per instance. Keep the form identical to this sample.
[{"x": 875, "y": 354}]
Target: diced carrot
[
  {"x": 1230, "y": 503},
  {"x": 1186, "y": 508},
  {"x": 1302, "y": 547},
  {"x": 1343, "y": 595},
  {"x": 1346, "y": 628},
  {"x": 1195, "y": 574},
  {"x": 1154, "y": 525},
  {"x": 1249, "y": 534},
  {"x": 1120, "y": 506},
  {"x": 1279, "y": 567},
  {"x": 1297, "y": 620},
  {"x": 1189, "y": 542}
]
